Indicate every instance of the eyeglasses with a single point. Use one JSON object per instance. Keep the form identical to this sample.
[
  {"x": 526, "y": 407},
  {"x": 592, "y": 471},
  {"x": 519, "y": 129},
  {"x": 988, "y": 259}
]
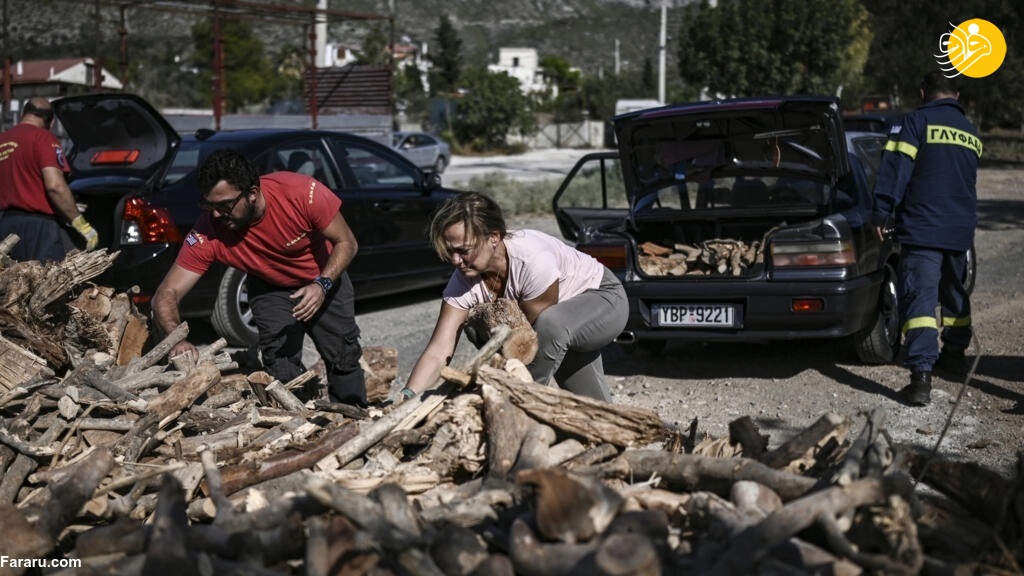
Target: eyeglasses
[
  {"x": 224, "y": 206},
  {"x": 462, "y": 252}
]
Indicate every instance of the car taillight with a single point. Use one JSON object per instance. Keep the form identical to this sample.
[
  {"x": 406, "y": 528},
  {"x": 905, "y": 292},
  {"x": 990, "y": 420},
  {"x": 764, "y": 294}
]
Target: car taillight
[
  {"x": 611, "y": 255},
  {"x": 818, "y": 253},
  {"x": 148, "y": 224}
]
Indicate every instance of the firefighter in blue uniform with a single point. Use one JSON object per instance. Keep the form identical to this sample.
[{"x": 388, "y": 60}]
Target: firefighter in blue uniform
[{"x": 925, "y": 194}]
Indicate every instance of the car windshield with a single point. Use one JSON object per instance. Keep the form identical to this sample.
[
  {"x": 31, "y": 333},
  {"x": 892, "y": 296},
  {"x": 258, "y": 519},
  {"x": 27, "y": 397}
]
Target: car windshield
[
  {"x": 396, "y": 139},
  {"x": 186, "y": 160}
]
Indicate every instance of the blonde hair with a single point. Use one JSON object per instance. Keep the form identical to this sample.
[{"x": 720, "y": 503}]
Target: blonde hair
[{"x": 479, "y": 214}]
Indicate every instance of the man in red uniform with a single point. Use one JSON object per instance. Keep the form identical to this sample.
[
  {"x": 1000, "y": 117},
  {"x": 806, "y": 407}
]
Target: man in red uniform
[
  {"x": 287, "y": 233},
  {"x": 34, "y": 196}
]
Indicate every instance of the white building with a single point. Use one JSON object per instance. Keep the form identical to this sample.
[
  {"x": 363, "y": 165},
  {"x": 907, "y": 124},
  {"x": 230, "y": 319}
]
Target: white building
[{"x": 523, "y": 64}]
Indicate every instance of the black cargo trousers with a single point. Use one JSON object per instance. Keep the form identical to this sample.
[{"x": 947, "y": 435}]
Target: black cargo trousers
[{"x": 333, "y": 331}]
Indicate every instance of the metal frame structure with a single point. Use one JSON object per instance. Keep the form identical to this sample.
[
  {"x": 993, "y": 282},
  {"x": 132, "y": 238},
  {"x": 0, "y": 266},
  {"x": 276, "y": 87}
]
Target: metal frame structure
[{"x": 218, "y": 10}]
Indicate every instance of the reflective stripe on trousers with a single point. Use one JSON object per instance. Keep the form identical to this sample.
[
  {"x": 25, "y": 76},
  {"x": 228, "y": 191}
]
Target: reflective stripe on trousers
[{"x": 930, "y": 278}]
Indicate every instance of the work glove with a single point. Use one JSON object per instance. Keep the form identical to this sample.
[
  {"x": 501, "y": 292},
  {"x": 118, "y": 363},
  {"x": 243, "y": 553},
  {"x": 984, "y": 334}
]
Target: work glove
[{"x": 82, "y": 226}]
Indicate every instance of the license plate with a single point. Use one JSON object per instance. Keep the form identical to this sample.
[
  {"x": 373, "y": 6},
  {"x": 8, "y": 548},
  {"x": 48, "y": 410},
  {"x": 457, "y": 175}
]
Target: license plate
[{"x": 720, "y": 315}]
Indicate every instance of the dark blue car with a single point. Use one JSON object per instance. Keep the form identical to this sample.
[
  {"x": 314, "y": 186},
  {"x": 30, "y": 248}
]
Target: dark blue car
[{"x": 136, "y": 178}]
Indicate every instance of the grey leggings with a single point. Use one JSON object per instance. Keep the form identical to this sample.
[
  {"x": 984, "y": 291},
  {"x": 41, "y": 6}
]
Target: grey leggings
[{"x": 572, "y": 333}]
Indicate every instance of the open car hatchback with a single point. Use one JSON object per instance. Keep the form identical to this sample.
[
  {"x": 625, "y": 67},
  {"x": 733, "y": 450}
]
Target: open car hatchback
[{"x": 739, "y": 220}]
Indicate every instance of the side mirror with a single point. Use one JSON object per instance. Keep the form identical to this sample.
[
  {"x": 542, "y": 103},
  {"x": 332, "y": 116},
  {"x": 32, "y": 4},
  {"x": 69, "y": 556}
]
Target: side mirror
[{"x": 431, "y": 181}]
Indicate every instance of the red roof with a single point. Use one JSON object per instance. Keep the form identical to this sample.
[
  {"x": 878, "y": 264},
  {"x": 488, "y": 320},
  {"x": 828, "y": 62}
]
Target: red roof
[{"x": 35, "y": 71}]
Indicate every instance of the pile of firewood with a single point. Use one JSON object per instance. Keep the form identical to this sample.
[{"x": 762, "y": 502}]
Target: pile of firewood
[
  {"x": 710, "y": 257},
  {"x": 150, "y": 465}
]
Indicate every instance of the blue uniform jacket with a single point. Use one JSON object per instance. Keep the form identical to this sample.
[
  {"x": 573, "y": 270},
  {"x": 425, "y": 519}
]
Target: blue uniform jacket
[{"x": 927, "y": 178}]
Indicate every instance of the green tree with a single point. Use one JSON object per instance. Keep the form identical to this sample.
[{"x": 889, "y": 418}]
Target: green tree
[
  {"x": 446, "y": 58},
  {"x": 493, "y": 106},
  {"x": 750, "y": 47},
  {"x": 375, "y": 48},
  {"x": 907, "y": 37},
  {"x": 248, "y": 75}
]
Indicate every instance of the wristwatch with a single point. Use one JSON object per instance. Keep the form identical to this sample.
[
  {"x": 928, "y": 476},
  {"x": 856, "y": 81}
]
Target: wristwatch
[{"x": 325, "y": 283}]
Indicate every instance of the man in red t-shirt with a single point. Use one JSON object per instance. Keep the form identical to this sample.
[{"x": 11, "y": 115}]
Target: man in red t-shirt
[
  {"x": 34, "y": 196},
  {"x": 287, "y": 233}
]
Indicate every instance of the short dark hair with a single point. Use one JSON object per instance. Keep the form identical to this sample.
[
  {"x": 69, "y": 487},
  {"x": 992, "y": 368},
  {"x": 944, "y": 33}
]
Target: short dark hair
[
  {"x": 230, "y": 166},
  {"x": 935, "y": 84},
  {"x": 43, "y": 112}
]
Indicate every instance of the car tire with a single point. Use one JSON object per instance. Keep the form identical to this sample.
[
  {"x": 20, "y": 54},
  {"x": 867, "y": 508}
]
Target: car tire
[
  {"x": 440, "y": 164},
  {"x": 232, "y": 317},
  {"x": 879, "y": 342}
]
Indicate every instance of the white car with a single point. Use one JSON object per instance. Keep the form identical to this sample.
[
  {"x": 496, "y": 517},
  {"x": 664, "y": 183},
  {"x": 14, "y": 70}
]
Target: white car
[{"x": 425, "y": 151}]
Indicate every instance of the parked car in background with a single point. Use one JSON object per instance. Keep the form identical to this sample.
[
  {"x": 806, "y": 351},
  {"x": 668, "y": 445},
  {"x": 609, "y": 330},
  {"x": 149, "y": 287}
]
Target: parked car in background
[
  {"x": 870, "y": 121},
  {"x": 425, "y": 151},
  {"x": 775, "y": 200},
  {"x": 136, "y": 178}
]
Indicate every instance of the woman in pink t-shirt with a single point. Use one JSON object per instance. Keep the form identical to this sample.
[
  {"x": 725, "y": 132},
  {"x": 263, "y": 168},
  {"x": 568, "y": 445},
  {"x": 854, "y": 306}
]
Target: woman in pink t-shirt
[{"x": 575, "y": 304}]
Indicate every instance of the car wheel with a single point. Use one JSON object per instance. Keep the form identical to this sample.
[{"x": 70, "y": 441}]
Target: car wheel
[
  {"x": 972, "y": 270},
  {"x": 879, "y": 342},
  {"x": 440, "y": 164},
  {"x": 232, "y": 317}
]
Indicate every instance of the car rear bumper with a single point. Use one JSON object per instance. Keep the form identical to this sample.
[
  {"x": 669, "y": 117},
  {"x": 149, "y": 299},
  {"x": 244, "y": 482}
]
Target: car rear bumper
[{"x": 764, "y": 309}]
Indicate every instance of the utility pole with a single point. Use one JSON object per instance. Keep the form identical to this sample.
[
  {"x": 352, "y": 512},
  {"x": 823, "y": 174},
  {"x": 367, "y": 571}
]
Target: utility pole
[
  {"x": 661, "y": 53},
  {"x": 617, "y": 69}
]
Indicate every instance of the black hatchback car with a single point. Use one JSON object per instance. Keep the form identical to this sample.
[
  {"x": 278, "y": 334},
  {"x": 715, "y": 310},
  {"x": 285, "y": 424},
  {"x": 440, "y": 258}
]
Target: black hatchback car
[
  {"x": 779, "y": 178},
  {"x": 136, "y": 179}
]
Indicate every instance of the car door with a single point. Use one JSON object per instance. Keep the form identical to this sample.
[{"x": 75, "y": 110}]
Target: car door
[
  {"x": 390, "y": 210},
  {"x": 591, "y": 197}
]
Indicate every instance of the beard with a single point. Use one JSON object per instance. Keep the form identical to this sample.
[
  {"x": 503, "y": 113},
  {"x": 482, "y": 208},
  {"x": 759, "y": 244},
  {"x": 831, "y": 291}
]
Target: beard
[{"x": 236, "y": 223}]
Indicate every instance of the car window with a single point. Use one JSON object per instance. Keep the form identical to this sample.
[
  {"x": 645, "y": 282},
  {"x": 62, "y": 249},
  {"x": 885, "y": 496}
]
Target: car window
[
  {"x": 368, "y": 168},
  {"x": 584, "y": 190},
  {"x": 735, "y": 192},
  {"x": 186, "y": 160},
  {"x": 308, "y": 158}
]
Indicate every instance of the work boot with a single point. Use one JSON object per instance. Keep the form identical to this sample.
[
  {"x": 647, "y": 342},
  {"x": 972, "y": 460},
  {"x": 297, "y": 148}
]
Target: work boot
[
  {"x": 952, "y": 362},
  {"x": 919, "y": 391}
]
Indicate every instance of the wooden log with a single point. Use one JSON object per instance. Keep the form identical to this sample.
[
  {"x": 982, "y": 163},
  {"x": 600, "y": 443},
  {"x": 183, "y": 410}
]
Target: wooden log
[
  {"x": 531, "y": 557},
  {"x": 749, "y": 546},
  {"x": 237, "y": 477},
  {"x": 627, "y": 555},
  {"x": 505, "y": 430},
  {"x": 744, "y": 431},
  {"x": 17, "y": 365},
  {"x": 285, "y": 398},
  {"x": 852, "y": 465},
  {"x": 72, "y": 486},
  {"x": 408, "y": 413},
  {"x": 133, "y": 339},
  {"x": 570, "y": 507},
  {"x": 802, "y": 445},
  {"x": 168, "y": 552},
  {"x": 580, "y": 416},
  {"x": 536, "y": 448},
  {"x": 380, "y": 368},
  {"x": 24, "y": 465},
  {"x": 156, "y": 354},
  {"x": 689, "y": 473},
  {"x": 184, "y": 393},
  {"x": 458, "y": 551}
]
